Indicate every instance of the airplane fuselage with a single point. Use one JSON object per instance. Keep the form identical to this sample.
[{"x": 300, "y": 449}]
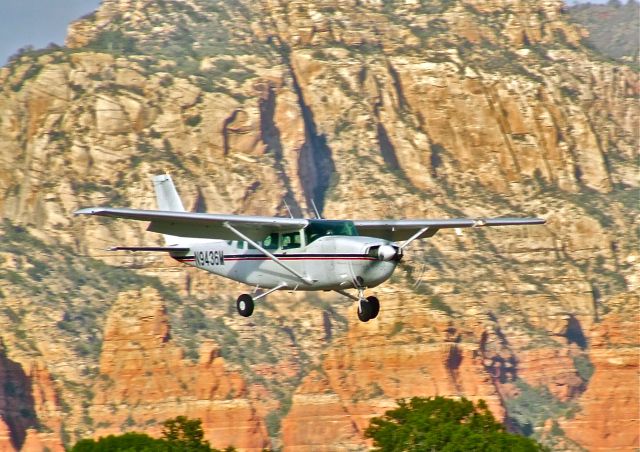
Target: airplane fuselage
[{"x": 330, "y": 263}]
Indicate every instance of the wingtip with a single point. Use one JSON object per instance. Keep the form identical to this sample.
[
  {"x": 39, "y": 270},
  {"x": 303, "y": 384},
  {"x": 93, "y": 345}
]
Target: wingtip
[
  {"x": 88, "y": 211},
  {"x": 536, "y": 220},
  {"x": 159, "y": 178}
]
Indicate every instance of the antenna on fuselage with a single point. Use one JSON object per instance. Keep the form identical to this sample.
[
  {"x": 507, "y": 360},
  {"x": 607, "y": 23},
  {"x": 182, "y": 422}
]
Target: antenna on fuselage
[
  {"x": 315, "y": 210},
  {"x": 287, "y": 206}
]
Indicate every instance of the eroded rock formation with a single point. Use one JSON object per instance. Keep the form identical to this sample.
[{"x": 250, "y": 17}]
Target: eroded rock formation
[
  {"x": 144, "y": 380},
  {"x": 371, "y": 110}
]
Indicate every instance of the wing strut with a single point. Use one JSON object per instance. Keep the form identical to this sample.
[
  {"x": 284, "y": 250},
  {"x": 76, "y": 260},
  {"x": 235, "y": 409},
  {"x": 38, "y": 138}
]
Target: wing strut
[
  {"x": 413, "y": 237},
  {"x": 304, "y": 279}
]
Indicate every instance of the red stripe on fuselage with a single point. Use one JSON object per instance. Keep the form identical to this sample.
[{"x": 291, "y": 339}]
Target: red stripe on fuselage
[
  {"x": 264, "y": 258},
  {"x": 283, "y": 258}
]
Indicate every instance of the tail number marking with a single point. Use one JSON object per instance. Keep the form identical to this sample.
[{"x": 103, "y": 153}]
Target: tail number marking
[{"x": 207, "y": 258}]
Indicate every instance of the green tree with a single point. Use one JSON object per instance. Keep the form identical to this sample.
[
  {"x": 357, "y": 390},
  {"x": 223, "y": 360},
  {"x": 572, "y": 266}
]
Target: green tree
[
  {"x": 179, "y": 434},
  {"x": 131, "y": 441},
  {"x": 184, "y": 434},
  {"x": 441, "y": 424}
]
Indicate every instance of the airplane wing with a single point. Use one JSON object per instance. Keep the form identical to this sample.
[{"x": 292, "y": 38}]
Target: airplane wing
[
  {"x": 211, "y": 226},
  {"x": 200, "y": 225},
  {"x": 398, "y": 230}
]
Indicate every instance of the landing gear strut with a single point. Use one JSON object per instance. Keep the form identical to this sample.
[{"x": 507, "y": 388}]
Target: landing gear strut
[{"x": 245, "y": 302}]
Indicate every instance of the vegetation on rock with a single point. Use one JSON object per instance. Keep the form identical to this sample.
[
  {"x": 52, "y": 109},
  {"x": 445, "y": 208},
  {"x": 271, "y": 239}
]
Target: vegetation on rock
[
  {"x": 439, "y": 423},
  {"x": 179, "y": 434}
]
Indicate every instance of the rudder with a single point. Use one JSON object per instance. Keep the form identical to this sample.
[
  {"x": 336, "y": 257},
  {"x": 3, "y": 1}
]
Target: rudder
[
  {"x": 168, "y": 199},
  {"x": 166, "y": 194}
]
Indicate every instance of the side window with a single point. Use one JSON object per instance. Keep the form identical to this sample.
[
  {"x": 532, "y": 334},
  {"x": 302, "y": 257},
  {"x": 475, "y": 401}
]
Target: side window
[
  {"x": 271, "y": 241},
  {"x": 291, "y": 240}
]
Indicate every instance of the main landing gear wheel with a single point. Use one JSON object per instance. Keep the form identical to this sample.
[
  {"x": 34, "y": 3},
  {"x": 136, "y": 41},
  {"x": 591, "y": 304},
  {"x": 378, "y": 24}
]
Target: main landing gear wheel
[
  {"x": 245, "y": 305},
  {"x": 368, "y": 309},
  {"x": 374, "y": 303}
]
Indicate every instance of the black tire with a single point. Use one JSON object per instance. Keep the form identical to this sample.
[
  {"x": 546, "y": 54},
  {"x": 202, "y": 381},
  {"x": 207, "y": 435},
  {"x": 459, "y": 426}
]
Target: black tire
[
  {"x": 364, "y": 311},
  {"x": 374, "y": 307},
  {"x": 245, "y": 305}
]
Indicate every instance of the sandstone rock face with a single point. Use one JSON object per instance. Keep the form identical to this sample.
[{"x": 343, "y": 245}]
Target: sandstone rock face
[
  {"x": 144, "y": 379},
  {"x": 6, "y": 444},
  {"x": 371, "y": 110},
  {"x": 27, "y": 401},
  {"x": 364, "y": 373},
  {"x": 609, "y": 404}
]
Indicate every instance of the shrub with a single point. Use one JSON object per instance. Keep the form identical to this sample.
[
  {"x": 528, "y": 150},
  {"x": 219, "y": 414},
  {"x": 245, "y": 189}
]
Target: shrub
[{"x": 438, "y": 423}]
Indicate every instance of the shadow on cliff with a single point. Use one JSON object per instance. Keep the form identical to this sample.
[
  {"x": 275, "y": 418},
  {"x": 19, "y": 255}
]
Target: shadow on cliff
[
  {"x": 316, "y": 168},
  {"x": 17, "y": 406},
  {"x": 575, "y": 334},
  {"x": 272, "y": 139}
]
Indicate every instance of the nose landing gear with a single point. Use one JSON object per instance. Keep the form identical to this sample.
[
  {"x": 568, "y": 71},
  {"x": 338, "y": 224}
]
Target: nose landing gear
[{"x": 368, "y": 308}]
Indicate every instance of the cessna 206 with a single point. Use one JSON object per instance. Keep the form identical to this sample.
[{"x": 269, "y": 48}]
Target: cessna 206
[{"x": 276, "y": 253}]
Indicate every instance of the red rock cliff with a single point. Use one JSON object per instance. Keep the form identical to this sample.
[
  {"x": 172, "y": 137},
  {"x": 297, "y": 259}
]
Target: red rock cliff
[{"x": 144, "y": 380}]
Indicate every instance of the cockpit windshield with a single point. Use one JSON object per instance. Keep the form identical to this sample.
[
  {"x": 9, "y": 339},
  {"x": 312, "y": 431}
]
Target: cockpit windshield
[{"x": 319, "y": 228}]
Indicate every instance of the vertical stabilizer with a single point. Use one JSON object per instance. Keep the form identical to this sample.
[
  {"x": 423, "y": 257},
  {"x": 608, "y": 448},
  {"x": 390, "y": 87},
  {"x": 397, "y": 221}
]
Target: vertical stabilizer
[
  {"x": 168, "y": 199},
  {"x": 166, "y": 194}
]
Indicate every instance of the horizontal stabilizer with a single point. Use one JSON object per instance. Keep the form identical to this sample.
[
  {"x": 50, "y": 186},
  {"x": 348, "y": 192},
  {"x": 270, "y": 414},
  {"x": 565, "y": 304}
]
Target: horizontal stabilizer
[{"x": 167, "y": 249}]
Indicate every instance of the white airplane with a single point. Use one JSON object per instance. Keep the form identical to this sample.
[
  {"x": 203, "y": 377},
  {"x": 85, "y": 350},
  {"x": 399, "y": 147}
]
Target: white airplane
[{"x": 275, "y": 253}]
